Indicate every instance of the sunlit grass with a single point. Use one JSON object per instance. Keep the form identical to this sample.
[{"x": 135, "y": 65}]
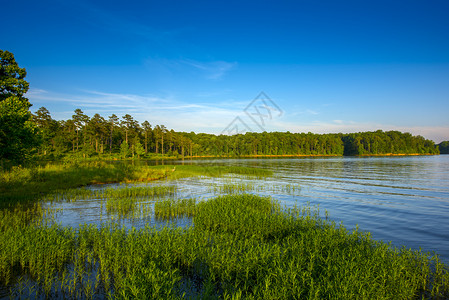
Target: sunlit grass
[
  {"x": 21, "y": 184},
  {"x": 238, "y": 186},
  {"x": 175, "y": 208},
  {"x": 240, "y": 246}
]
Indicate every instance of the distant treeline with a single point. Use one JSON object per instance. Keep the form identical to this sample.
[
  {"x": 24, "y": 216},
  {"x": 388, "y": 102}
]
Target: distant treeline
[
  {"x": 87, "y": 136},
  {"x": 444, "y": 147}
]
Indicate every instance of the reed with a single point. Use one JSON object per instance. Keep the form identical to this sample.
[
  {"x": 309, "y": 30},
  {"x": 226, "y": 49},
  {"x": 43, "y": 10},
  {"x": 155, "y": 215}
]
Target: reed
[
  {"x": 239, "y": 186},
  {"x": 175, "y": 208},
  {"x": 230, "y": 188},
  {"x": 137, "y": 192}
]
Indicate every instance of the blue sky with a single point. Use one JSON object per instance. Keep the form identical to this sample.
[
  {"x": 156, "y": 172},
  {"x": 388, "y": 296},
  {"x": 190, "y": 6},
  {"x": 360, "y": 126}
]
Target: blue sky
[{"x": 329, "y": 66}]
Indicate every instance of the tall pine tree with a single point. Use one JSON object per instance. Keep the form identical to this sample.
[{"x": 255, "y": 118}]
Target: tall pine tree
[{"x": 17, "y": 130}]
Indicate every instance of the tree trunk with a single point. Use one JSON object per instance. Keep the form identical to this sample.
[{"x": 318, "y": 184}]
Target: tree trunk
[
  {"x": 162, "y": 150},
  {"x": 146, "y": 142}
]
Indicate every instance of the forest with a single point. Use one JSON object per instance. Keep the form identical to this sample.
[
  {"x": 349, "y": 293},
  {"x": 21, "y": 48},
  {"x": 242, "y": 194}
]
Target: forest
[
  {"x": 444, "y": 147},
  {"x": 124, "y": 137}
]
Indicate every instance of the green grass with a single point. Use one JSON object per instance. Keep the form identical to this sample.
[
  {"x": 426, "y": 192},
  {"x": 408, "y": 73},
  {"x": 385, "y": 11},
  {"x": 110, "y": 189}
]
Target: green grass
[
  {"x": 240, "y": 246},
  {"x": 231, "y": 188},
  {"x": 175, "y": 208},
  {"x": 238, "y": 186},
  {"x": 183, "y": 171},
  {"x": 20, "y": 184}
]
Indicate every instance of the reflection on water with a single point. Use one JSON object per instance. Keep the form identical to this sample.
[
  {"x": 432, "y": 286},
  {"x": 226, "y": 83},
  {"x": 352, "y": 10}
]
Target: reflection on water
[{"x": 400, "y": 199}]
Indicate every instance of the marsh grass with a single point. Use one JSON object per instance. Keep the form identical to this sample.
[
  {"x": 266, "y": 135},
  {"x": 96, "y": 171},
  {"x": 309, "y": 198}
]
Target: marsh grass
[
  {"x": 175, "y": 208},
  {"x": 134, "y": 201},
  {"x": 241, "y": 186},
  {"x": 126, "y": 201},
  {"x": 30, "y": 184},
  {"x": 231, "y": 188},
  {"x": 240, "y": 246}
]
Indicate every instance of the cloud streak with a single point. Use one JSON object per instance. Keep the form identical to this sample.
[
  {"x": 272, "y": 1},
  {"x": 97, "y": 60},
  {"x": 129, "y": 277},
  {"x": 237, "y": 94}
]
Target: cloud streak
[
  {"x": 212, "y": 70},
  {"x": 179, "y": 115},
  {"x": 209, "y": 70},
  {"x": 204, "y": 117}
]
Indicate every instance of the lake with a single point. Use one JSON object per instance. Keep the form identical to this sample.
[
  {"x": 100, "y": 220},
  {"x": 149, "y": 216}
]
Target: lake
[{"x": 402, "y": 199}]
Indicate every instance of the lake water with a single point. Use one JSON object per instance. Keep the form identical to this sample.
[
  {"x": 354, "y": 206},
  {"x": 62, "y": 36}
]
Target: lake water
[{"x": 404, "y": 200}]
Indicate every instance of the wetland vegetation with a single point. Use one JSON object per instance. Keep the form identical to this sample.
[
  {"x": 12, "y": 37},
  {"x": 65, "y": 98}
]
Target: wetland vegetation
[{"x": 239, "y": 245}]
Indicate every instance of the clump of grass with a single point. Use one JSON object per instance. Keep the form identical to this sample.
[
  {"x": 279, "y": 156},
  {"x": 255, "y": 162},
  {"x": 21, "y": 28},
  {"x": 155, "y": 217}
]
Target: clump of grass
[
  {"x": 289, "y": 189},
  {"x": 240, "y": 246},
  {"x": 123, "y": 201},
  {"x": 175, "y": 208},
  {"x": 137, "y": 191},
  {"x": 244, "y": 187}
]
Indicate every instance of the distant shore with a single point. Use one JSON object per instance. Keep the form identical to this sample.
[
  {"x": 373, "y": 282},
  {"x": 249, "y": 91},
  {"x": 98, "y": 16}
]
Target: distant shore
[{"x": 306, "y": 155}]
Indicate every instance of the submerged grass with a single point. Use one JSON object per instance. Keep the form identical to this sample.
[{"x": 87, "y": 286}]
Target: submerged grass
[
  {"x": 113, "y": 192},
  {"x": 235, "y": 187},
  {"x": 240, "y": 246},
  {"x": 175, "y": 208}
]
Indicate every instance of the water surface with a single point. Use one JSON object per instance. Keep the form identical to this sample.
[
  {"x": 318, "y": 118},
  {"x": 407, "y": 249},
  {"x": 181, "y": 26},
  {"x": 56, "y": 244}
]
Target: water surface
[{"x": 404, "y": 200}]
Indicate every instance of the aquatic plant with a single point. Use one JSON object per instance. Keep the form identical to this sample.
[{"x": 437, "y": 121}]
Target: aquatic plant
[
  {"x": 239, "y": 186},
  {"x": 122, "y": 202},
  {"x": 175, "y": 208},
  {"x": 229, "y": 188},
  {"x": 240, "y": 246}
]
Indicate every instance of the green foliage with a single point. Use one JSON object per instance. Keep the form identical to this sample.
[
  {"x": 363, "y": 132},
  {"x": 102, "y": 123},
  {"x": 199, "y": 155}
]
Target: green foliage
[
  {"x": 158, "y": 143},
  {"x": 170, "y": 209},
  {"x": 444, "y": 147},
  {"x": 12, "y": 82},
  {"x": 139, "y": 149},
  {"x": 389, "y": 142},
  {"x": 124, "y": 150},
  {"x": 17, "y": 131}
]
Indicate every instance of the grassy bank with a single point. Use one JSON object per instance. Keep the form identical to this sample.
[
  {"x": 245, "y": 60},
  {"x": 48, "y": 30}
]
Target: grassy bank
[
  {"x": 241, "y": 246},
  {"x": 25, "y": 184}
]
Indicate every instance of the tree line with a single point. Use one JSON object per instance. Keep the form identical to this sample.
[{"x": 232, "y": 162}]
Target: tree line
[
  {"x": 126, "y": 137},
  {"x": 23, "y": 134},
  {"x": 444, "y": 147}
]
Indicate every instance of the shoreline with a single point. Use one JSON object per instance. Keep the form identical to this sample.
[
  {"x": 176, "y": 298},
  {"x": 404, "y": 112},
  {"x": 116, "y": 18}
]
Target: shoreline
[{"x": 307, "y": 155}]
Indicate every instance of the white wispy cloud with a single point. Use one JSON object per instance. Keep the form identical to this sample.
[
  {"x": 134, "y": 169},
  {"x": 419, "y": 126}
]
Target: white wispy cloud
[
  {"x": 209, "y": 70},
  {"x": 312, "y": 112},
  {"x": 173, "y": 113},
  {"x": 200, "y": 116},
  {"x": 213, "y": 69}
]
